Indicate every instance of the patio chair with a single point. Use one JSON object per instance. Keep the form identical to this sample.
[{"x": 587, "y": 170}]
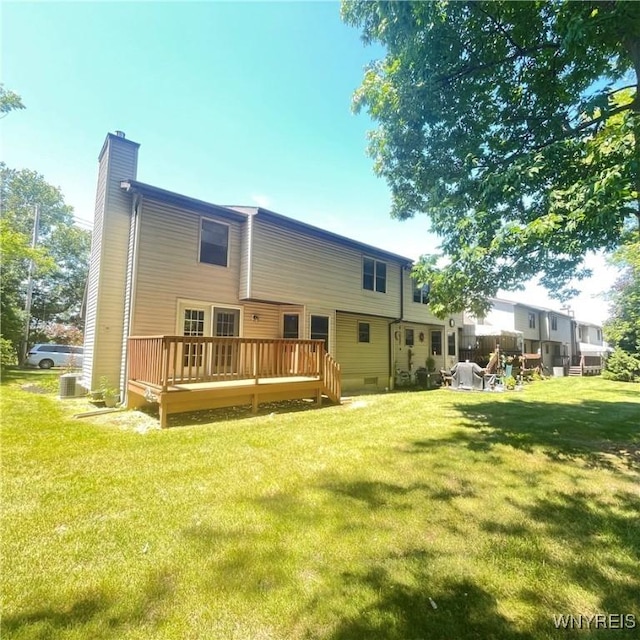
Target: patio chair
[{"x": 446, "y": 376}]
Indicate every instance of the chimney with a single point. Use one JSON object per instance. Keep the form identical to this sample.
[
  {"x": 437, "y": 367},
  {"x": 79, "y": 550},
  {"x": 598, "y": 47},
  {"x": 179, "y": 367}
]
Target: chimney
[{"x": 104, "y": 324}]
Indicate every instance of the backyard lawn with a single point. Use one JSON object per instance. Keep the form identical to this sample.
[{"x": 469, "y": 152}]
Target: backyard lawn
[{"x": 404, "y": 516}]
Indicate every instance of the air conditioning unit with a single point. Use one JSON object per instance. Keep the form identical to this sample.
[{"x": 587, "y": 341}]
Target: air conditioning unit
[{"x": 69, "y": 385}]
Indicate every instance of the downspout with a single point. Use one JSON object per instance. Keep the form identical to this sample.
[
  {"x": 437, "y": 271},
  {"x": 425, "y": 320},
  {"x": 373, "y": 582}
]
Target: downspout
[
  {"x": 132, "y": 273},
  {"x": 249, "y": 266},
  {"x": 391, "y": 327}
]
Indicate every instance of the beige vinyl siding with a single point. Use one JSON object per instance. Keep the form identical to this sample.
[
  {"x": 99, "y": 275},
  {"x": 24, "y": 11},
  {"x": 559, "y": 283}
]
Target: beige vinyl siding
[
  {"x": 168, "y": 267},
  {"x": 415, "y": 311},
  {"x": 267, "y": 324},
  {"x": 295, "y": 267},
  {"x": 419, "y": 312},
  {"x": 93, "y": 277},
  {"x": 107, "y": 287},
  {"x": 362, "y": 362},
  {"x": 410, "y": 358}
]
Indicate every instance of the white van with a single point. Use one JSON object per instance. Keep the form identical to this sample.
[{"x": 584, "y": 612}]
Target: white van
[{"x": 46, "y": 356}]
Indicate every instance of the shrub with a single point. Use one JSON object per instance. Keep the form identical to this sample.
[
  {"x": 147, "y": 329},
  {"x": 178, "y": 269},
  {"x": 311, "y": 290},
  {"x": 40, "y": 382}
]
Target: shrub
[
  {"x": 622, "y": 366},
  {"x": 8, "y": 355}
]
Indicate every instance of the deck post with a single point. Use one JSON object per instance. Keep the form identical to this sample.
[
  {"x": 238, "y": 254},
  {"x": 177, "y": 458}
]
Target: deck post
[
  {"x": 254, "y": 403},
  {"x": 165, "y": 364},
  {"x": 163, "y": 414}
]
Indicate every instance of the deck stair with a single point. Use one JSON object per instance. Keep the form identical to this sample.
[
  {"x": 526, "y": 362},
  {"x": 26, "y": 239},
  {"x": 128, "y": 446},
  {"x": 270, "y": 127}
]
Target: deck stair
[{"x": 586, "y": 366}]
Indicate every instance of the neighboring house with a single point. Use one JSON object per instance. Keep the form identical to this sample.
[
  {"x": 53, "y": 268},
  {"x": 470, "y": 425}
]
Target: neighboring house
[
  {"x": 589, "y": 340},
  {"x": 588, "y": 333},
  {"x": 521, "y": 328},
  {"x": 167, "y": 264}
]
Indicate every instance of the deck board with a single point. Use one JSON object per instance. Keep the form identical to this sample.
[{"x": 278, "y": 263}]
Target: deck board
[
  {"x": 196, "y": 396},
  {"x": 249, "y": 382}
]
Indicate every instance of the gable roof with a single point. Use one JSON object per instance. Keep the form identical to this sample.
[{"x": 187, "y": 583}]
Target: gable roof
[
  {"x": 534, "y": 307},
  {"x": 304, "y": 227},
  {"x": 177, "y": 199},
  {"x": 241, "y": 213}
]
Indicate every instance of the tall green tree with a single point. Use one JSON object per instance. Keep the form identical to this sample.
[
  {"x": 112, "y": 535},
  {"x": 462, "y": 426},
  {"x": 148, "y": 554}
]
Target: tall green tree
[
  {"x": 622, "y": 329},
  {"x": 9, "y": 101},
  {"x": 60, "y": 257},
  {"x": 514, "y": 126}
]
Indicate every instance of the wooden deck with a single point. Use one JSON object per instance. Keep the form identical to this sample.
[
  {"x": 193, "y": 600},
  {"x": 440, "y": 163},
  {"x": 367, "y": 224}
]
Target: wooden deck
[
  {"x": 586, "y": 366},
  {"x": 182, "y": 373}
]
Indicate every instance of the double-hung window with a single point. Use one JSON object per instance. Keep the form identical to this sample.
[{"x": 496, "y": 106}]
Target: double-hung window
[
  {"x": 420, "y": 293},
  {"x": 214, "y": 243},
  {"x": 374, "y": 275},
  {"x": 532, "y": 320}
]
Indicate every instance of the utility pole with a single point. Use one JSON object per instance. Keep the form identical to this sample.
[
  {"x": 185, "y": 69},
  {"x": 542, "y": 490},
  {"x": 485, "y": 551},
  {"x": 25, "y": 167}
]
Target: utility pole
[{"x": 27, "y": 306}]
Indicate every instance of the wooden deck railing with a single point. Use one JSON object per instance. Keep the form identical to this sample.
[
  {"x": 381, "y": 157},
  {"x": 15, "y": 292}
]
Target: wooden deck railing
[
  {"x": 332, "y": 378},
  {"x": 586, "y": 365},
  {"x": 163, "y": 361}
]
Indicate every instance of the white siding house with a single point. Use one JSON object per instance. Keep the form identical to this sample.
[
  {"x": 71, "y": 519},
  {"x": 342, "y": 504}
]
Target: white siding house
[{"x": 554, "y": 334}]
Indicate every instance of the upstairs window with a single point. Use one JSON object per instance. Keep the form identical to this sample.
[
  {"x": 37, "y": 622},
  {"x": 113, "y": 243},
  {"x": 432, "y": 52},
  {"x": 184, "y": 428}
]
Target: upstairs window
[
  {"x": 532, "y": 320},
  {"x": 554, "y": 323},
  {"x": 214, "y": 243},
  {"x": 421, "y": 293},
  {"x": 374, "y": 275}
]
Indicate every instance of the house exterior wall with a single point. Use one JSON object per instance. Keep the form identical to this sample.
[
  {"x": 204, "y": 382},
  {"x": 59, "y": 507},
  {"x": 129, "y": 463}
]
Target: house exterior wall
[
  {"x": 417, "y": 311},
  {"x": 261, "y": 321},
  {"x": 407, "y": 357},
  {"x": 563, "y": 333},
  {"x": 521, "y": 322},
  {"x": 293, "y": 267},
  {"x": 364, "y": 365},
  {"x": 589, "y": 333},
  {"x": 106, "y": 284},
  {"x": 168, "y": 267},
  {"x": 501, "y": 315}
]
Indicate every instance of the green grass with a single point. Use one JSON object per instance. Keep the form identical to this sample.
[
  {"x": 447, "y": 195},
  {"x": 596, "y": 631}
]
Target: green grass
[{"x": 343, "y": 523}]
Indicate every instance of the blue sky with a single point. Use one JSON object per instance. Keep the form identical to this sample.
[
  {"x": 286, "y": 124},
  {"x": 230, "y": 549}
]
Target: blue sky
[{"x": 232, "y": 102}]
